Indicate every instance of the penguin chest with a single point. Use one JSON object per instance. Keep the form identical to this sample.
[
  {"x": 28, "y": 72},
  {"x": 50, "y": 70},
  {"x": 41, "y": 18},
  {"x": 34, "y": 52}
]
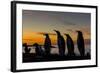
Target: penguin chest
[
  {"x": 61, "y": 43},
  {"x": 80, "y": 41},
  {"x": 47, "y": 42}
]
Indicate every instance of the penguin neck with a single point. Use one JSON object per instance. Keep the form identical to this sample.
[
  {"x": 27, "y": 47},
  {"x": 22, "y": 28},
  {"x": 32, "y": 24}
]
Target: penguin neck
[
  {"x": 59, "y": 36},
  {"x": 80, "y": 35},
  {"x": 68, "y": 37},
  {"x": 47, "y": 36}
]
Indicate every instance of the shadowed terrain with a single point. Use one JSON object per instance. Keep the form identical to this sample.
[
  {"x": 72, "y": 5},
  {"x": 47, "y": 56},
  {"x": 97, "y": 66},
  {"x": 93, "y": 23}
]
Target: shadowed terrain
[{"x": 52, "y": 57}]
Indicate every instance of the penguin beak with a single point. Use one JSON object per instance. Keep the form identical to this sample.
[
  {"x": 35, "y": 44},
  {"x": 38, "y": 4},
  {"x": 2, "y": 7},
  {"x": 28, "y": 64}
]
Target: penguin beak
[
  {"x": 77, "y": 31},
  {"x": 66, "y": 34},
  {"x": 55, "y": 30}
]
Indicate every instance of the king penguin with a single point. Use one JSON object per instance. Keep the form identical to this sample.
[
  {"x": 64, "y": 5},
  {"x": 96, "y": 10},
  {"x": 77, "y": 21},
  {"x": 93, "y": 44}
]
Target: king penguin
[
  {"x": 80, "y": 43},
  {"x": 47, "y": 44},
  {"x": 61, "y": 43},
  {"x": 70, "y": 45}
]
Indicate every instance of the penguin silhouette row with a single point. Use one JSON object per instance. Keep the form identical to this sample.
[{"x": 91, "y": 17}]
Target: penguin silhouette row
[
  {"x": 61, "y": 45},
  {"x": 70, "y": 43}
]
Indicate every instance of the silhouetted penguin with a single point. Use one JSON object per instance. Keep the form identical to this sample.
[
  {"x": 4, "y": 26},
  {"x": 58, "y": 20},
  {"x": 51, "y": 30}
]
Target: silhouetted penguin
[
  {"x": 61, "y": 43},
  {"x": 47, "y": 44},
  {"x": 38, "y": 49},
  {"x": 27, "y": 50},
  {"x": 70, "y": 45},
  {"x": 80, "y": 43}
]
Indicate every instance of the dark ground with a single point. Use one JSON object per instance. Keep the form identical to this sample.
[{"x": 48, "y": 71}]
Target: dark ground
[{"x": 52, "y": 57}]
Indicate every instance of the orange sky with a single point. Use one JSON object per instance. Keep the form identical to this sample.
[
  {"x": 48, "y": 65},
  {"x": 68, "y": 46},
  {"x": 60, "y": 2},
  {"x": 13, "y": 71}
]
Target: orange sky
[{"x": 33, "y": 37}]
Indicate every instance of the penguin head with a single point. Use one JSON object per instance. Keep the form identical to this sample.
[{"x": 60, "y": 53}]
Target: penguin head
[
  {"x": 57, "y": 32},
  {"x": 46, "y": 35},
  {"x": 66, "y": 35},
  {"x": 79, "y": 32}
]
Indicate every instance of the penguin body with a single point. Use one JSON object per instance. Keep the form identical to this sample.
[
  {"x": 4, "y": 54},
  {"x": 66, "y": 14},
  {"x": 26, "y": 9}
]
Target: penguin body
[
  {"x": 80, "y": 43},
  {"x": 70, "y": 45},
  {"x": 61, "y": 43},
  {"x": 47, "y": 44}
]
